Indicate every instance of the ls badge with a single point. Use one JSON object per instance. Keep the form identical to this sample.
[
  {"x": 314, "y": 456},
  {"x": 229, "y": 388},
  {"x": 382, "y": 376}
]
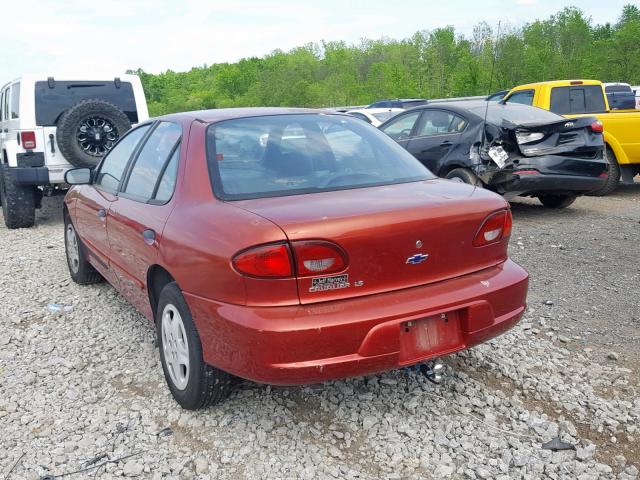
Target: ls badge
[{"x": 416, "y": 259}]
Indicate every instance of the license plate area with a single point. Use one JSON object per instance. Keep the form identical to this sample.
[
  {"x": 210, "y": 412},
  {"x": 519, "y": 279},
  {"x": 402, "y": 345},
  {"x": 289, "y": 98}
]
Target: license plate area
[{"x": 429, "y": 337}]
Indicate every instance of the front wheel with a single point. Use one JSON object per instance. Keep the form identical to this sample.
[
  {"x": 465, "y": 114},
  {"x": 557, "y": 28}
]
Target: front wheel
[
  {"x": 557, "y": 201},
  {"x": 80, "y": 269},
  {"x": 192, "y": 382}
]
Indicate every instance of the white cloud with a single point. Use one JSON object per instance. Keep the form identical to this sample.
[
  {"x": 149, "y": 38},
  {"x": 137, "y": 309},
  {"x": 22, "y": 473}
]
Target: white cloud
[{"x": 40, "y": 36}]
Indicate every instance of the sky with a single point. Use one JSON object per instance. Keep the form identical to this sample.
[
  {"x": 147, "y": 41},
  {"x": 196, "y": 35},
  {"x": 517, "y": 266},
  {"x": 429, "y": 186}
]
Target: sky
[{"x": 110, "y": 36}]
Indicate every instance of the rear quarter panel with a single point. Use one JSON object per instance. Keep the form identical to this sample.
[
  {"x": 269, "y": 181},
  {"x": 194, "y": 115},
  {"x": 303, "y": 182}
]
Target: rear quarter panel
[{"x": 203, "y": 233}]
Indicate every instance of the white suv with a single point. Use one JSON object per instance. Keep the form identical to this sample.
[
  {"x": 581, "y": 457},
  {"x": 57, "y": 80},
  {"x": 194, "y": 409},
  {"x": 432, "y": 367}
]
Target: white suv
[{"x": 48, "y": 125}]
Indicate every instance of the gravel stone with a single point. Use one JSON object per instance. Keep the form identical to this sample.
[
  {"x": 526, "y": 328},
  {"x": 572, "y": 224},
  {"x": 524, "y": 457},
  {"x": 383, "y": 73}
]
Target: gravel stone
[{"x": 76, "y": 383}]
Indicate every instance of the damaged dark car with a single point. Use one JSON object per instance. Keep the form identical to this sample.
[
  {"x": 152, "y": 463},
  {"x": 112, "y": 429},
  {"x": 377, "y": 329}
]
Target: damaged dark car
[{"x": 512, "y": 149}]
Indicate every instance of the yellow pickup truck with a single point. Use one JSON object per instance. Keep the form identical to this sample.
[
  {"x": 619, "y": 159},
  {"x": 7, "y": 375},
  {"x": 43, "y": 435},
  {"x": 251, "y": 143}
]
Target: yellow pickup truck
[{"x": 579, "y": 98}]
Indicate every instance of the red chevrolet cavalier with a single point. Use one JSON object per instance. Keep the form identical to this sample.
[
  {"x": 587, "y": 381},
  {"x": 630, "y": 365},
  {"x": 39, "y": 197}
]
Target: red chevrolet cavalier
[{"x": 289, "y": 246}]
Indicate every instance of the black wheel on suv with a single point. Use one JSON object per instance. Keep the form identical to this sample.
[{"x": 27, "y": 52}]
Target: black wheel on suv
[
  {"x": 557, "y": 201},
  {"x": 614, "y": 175},
  {"x": 18, "y": 201},
  {"x": 88, "y": 130}
]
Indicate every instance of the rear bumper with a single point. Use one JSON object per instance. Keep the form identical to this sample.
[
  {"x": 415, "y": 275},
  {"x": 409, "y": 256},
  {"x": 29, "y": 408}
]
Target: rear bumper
[
  {"x": 546, "y": 183},
  {"x": 313, "y": 343}
]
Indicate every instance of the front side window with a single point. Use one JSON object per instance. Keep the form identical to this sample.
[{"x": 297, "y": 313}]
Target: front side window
[
  {"x": 524, "y": 97},
  {"x": 281, "y": 155},
  {"x": 114, "y": 163},
  {"x": 361, "y": 116},
  {"x": 15, "y": 100},
  {"x": 401, "y": 127},
  {"x": 151, "y": 161},
  {"x": 439, "y": 122}
]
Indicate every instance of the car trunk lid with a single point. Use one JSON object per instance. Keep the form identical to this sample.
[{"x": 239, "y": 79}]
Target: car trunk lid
[
  {"x": 395, "y": 236},
  {"x": 574, "y": 137}
]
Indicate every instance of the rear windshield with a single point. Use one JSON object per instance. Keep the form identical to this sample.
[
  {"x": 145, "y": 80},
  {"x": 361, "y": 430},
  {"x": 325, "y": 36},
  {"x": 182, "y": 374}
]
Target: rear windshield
[
  {"x": 413, "y": 103},
  {"x": 382, "y": 116},
  {"x": 511, "y": 114},
  {"x": 279, "y": 155},
  {"x": 579, "y": 99},
  {"x": 618, "y": 89},
  {"x": 53, "y": 102}
]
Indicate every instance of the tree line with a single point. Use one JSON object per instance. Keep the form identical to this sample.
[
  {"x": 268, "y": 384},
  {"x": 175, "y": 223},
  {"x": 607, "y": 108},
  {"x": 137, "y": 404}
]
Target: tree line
[{"x": 430, "y": 64}]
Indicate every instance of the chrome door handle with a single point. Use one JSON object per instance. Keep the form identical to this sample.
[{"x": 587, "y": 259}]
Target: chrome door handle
[{"x": 149, "y": 236}]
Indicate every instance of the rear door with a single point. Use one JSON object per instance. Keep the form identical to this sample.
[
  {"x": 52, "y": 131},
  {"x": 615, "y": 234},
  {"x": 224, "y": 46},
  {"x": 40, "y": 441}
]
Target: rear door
[
  {"x": 95, "y": 200},
  {"x": 137, "y": 219},
  {"x": 438, "y": 131}
]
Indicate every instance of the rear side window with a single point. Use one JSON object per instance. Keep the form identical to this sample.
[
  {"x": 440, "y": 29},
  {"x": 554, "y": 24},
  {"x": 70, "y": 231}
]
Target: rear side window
[
  {"x": 280, "y": 155},
  {"x": 360, "y": 116},
  {"x": 525, "y": 97},
  {"x": 15, "y": 100},
  {"x": 151, "y": 161},
  {"x": 578, "y": 99},
  {"x": 53, "y": 102},
  {"x": 114, "y": 163},
  {"x": 439, "y": 122}
]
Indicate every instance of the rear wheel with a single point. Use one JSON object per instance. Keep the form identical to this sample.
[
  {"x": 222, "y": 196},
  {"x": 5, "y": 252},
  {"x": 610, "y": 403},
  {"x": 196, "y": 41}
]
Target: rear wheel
[
  {"x": 192, "y": 382},
  {"x": 464, "y": 175},
  {"x": 614, "y": 175},
  {"x": 18, "y": 201},
  {"x": 557, "y": 201}
]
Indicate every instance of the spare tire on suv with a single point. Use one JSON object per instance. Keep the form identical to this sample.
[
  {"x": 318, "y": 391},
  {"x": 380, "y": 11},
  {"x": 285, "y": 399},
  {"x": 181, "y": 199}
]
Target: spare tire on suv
[{"x": 88, "y": 130}]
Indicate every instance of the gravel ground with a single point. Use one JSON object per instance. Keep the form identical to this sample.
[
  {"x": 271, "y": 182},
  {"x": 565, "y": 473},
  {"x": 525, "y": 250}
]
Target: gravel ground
[{"x": 82, "y": 387}]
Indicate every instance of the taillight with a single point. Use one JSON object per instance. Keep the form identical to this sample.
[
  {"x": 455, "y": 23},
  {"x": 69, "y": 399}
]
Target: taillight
[
  {"x": 597, "y": 127},
  {"x": 496, "y": 227},
  {"x": 265, "y": 261},
  {"x": 526, "y": 172},
  {"x": 28, "y": 140},
  {"x": 318, "y": 257}
]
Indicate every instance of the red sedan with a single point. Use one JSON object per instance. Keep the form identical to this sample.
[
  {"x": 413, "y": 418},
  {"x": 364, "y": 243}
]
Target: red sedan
[{"x": 289, "y": 246}]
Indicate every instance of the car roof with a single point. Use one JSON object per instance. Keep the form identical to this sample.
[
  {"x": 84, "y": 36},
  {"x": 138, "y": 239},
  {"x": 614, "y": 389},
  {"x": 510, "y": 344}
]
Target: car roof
[
  {"x": 220, "y": 114},
  {"x": 31, "y": 77},
  {"x": 371, "y": 111}
]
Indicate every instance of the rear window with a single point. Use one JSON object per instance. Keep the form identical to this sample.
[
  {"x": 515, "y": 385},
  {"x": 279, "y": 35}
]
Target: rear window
[
  {"x": 383, "y": 116},
  {"x": 579, "y": 99},
  {"x": 53, "y": 102},
  {"x": 413, "y": 103},
  {"x": 516, "y": 114},
  {"x": 617, "y": 89},
  {"x": 281, "y": 155}
]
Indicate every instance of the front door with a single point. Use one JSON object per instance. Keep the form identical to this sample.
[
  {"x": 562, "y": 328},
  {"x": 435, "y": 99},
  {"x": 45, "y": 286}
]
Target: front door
[
  {"x": 94, "y": 202},
  {"x": 137, "y": 219}
]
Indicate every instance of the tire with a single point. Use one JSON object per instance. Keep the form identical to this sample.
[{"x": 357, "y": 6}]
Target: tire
[
  {"x": 465, "y": 176},
  {"x": 194, "y": 385},
  {"x": 614, "y": 175},
  {"x": 81, "y": 271},
  {"x": 107, "y": 122},
  {"x": 18, "y": 201},
  {"x": 557, "y": 201}
]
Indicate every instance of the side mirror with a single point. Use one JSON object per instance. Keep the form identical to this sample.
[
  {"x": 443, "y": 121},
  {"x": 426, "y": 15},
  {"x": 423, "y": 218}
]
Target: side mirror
[{"x": 78, "y": 176}]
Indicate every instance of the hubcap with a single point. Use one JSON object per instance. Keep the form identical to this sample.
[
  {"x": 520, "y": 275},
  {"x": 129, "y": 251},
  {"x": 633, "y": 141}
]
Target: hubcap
[
  {"x": 175, "y": 347},
  {"x": 73, "y": 252},
  {"x": 96, "y": 136}
]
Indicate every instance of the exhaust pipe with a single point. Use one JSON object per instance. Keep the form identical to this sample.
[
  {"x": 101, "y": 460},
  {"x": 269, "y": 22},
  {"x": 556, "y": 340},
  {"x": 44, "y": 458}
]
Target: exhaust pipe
[{"x": 433, "y": 370}]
